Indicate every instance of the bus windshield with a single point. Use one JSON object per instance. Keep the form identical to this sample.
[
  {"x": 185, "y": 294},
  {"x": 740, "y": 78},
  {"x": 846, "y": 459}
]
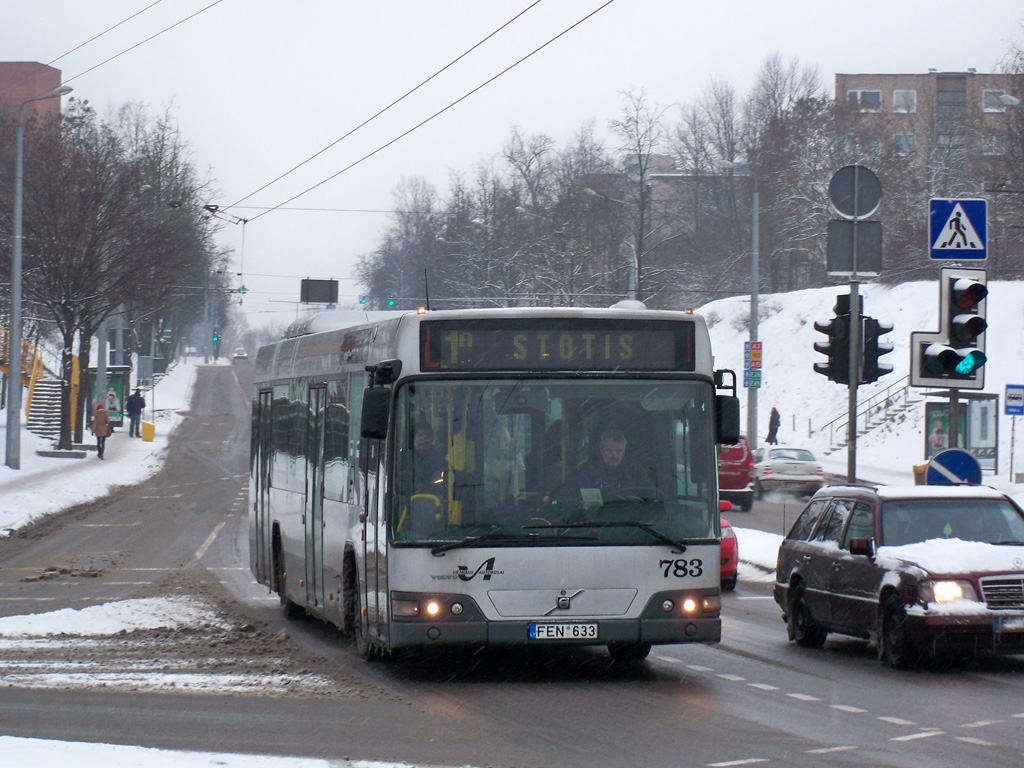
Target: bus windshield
[{"x": 554, "y": 461}]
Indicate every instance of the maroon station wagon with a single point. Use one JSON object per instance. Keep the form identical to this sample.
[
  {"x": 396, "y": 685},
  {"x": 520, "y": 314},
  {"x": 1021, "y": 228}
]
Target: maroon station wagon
[{"x": 920, "y": 571}]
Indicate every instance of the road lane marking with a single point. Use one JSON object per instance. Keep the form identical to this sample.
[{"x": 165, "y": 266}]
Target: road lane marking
[
  {"x": 698, "y": 668},
  {"x": 209, "y": 541},
  {"x": 972, "y": 740},
  {"x": 763, "y": 686},
  {"x": 669, "y": 659},
  {"x": 827, "y": 750},
  {"x": 982, "y": 723},
  {"x": 897, "y": 721},
  {"x": 915, "y": 736},
  {"x": 732, "y": 678},
  {"x": 748, "y": 761},
  {"x": 803, "y": 697},
  {"x": 111, "y": 525},
  {"x": 847, "y": 708}
]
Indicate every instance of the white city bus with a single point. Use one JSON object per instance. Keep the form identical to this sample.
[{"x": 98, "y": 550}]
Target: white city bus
[{"x": 422, "y": 480}]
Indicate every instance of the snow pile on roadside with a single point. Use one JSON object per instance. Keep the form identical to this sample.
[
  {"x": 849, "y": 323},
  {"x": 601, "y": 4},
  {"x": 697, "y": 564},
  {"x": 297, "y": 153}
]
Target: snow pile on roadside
[{"x": 112, "y": 618}]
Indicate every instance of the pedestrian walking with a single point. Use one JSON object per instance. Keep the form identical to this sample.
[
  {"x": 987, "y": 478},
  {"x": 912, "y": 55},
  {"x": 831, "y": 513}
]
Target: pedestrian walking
[
  {"x": 101, "y": 428},
  {"x": 134, "y": 406},
  {"x": 774, "y": 420}
]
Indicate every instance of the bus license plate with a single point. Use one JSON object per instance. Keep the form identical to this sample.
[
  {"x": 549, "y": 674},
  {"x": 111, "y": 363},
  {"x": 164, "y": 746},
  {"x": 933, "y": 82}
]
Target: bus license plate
[{"x": 563, "y": 631}]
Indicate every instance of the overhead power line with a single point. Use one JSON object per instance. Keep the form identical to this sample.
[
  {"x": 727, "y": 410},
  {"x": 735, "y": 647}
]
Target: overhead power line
[
  {"x": 401, "y": 98},
  {"x": 143, "y": 42},
  {"x": 51, "y": 62},
  {"x": 438, "y": 113}
]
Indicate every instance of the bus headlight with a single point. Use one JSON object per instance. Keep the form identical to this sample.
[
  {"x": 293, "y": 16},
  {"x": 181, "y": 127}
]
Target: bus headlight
[
  {"x": 408, "y": 609},
  {"x": 689, "y": 605}
]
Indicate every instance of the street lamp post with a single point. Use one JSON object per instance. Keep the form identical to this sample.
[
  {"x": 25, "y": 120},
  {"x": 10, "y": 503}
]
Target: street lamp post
[
  {"x": 14, "y": 335},
  {"x": 755, "y": 208},
  {"x": 636, "y": 247}
]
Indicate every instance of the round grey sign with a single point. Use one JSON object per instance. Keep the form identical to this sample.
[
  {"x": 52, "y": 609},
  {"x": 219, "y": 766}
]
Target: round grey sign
[{"x": 854, "y": 191}]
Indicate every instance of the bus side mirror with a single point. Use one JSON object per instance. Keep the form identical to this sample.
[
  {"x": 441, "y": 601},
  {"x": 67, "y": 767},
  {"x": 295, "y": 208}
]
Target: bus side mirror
[
  {"x": 376, "y": 407},
  {"x": 727, "y": 419}
]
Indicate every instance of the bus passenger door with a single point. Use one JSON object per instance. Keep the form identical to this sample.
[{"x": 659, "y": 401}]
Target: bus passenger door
[
  {"x": 260, "y": 541},
  {"x": 372, "y": 450},
  {"x": 314, "y": 512}
]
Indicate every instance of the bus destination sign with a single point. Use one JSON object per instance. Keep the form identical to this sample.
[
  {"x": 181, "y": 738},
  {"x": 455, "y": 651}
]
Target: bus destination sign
[{"x": 540, "y": 344}]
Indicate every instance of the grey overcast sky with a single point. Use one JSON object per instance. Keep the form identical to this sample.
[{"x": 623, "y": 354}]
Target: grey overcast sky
[{"x": 258, "y": 86}]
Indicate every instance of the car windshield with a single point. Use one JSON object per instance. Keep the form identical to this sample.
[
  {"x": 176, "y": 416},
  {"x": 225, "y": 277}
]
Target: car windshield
[
  {"x": 908, "y": 521},
  {"x": 793, "y": 454},
  {"x": 554, "y": 461}
]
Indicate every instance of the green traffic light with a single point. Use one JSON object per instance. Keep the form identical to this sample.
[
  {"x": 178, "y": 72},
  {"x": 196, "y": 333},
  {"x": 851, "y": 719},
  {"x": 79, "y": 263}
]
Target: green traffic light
[
  {"x": 363, "y": 300},
  {"x": 391, "y": 302},
  {"x": 971, "y": 362}
]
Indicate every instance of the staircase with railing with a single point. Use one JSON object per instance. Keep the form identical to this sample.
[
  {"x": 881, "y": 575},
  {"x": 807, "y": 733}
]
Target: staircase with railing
[{"x": 882, "y": 408}]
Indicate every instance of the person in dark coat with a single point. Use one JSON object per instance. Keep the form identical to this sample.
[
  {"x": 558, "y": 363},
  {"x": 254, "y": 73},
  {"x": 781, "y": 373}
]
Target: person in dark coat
[
  {"x": 101, "y": 428},
  {"x": 773, "y": 427},
  {"x": 134, "y": 407}
]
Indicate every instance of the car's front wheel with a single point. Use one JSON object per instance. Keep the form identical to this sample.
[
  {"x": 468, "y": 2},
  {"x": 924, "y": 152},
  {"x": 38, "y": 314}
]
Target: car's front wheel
[
  {"x": 803, "y": 629},
  {"x": 895, "y": 646}
]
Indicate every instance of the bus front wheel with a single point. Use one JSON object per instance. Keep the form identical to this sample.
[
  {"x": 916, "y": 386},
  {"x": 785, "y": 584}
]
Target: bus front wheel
[{"x": 289, "y": 610}]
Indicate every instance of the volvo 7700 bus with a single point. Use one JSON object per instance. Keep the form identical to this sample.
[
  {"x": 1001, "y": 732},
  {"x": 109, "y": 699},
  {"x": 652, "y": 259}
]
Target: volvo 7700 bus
[{"x": 494, "y": 477}]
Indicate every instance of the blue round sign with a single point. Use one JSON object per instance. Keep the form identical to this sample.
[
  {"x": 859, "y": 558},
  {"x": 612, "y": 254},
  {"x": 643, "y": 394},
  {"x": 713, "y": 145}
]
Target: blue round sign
[{"x": 953, "y": 466}]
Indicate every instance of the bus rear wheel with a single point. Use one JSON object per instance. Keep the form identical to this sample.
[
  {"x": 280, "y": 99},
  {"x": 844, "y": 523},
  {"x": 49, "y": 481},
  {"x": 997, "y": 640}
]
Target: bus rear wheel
[{"x": 629, "y": 652}]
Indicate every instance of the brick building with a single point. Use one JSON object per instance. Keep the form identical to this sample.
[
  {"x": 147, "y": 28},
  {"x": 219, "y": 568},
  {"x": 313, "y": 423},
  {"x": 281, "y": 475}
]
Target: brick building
[
  {"x": 24, "y": 80},
  {"x": 955, "y": 119}
]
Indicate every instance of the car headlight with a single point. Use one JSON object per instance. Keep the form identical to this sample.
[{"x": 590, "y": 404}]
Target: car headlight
[{"x": 945, "y": 591}]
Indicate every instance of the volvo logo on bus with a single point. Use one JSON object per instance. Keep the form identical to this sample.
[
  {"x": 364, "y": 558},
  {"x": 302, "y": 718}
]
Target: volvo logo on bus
[{"x": 564, "y": 601}]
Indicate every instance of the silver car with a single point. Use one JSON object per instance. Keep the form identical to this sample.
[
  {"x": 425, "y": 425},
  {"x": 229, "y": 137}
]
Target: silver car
[{"x": 784, "y": 468}]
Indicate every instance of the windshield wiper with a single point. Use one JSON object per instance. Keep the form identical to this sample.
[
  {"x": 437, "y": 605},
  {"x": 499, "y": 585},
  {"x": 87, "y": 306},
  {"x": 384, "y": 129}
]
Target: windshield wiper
[
  {"x": 1010, "y": 543},
  {"x": 650, "y": 529},
  {"x": 496, "y": 534}
]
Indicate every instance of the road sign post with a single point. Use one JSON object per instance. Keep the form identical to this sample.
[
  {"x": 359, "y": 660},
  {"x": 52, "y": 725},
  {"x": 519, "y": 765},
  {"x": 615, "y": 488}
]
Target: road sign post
[{"x": 1014, "y": 407}]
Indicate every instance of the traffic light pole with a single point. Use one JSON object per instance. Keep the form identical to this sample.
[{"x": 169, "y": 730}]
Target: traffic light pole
[{"x": 855, "y": 364}]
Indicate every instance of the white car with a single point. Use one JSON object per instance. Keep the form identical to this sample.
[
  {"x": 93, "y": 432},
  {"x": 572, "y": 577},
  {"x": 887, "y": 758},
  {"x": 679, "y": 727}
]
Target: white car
[
  {"x": 240, "y": 354},
  {"x": 784, "y": 468}
]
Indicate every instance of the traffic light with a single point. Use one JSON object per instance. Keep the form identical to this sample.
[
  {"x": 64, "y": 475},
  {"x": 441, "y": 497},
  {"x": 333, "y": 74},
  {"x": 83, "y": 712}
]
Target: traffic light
[
  {"x": 872, "y": 370},
  {"x": 837, "y": 348},
  {"x": 363, "y": 300},
  {"x": 216, "y": 335},
  {"x": 391, "y": 302},
  {"x": 954, "y": 356}
]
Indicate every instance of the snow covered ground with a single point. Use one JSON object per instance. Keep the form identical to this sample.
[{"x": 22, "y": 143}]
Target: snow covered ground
[
  {"x": 806, "y": 400},
  {"x": 38, "y": 753}
]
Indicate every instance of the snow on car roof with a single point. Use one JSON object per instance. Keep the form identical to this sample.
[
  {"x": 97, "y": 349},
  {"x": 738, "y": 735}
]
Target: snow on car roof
[
  {"x": 938, "y": 492},
  {"x": 920, "y": 491}
]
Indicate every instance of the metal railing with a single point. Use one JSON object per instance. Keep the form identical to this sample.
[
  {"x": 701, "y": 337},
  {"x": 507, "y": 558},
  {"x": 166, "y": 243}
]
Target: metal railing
[{"x": 893, "y": 399}]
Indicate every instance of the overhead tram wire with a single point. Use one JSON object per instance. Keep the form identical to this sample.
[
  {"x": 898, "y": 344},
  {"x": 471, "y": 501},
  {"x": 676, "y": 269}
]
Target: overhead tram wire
[
  {"x": 401, "y": 98},
  {"x": 51, "y": 62},
  {"x": 143, "y": 42},
  {"x": 437, "y": 114}
]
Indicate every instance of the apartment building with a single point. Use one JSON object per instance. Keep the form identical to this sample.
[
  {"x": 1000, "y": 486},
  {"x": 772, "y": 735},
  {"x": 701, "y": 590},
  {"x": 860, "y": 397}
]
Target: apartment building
[{"x": 961, "y": 120}]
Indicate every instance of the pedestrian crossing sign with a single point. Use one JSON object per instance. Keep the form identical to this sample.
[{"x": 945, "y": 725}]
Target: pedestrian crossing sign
[{"x": 958, "y": 229}]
